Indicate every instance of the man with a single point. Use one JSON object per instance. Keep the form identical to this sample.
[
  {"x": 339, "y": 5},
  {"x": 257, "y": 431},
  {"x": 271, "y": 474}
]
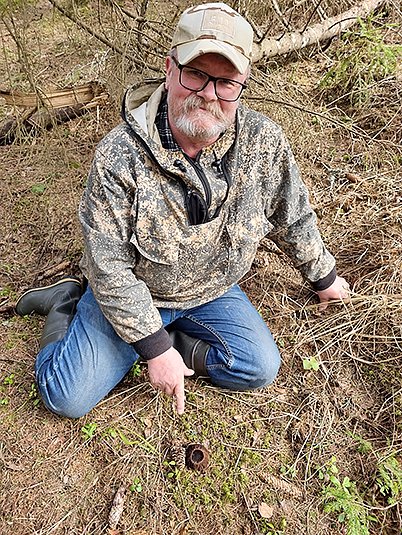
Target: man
[{"x": 178, "y": 197}]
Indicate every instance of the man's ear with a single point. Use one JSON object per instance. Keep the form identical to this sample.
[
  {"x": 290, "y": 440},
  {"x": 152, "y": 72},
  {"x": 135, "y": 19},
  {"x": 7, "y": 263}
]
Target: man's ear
[{"x": 168, "y": 67}]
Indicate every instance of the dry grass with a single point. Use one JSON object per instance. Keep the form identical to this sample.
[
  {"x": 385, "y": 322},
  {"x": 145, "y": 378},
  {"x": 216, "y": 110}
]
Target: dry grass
[{"x": 276, "y": 447}]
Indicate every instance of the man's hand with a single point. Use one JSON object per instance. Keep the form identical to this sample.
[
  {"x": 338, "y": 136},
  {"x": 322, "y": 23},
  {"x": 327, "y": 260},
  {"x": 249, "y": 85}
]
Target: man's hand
[
  {"x": 339, "y": 289},
  {"x": 167, "y": 372}
]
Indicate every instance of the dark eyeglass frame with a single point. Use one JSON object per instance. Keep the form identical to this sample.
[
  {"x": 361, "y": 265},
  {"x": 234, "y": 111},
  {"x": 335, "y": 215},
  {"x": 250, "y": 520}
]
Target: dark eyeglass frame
[{"x": 210, "y": 78}]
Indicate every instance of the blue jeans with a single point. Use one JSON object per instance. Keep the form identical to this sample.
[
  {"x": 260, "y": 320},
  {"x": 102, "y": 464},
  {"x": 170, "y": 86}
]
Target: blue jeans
[{"x": 74, "y": 374}]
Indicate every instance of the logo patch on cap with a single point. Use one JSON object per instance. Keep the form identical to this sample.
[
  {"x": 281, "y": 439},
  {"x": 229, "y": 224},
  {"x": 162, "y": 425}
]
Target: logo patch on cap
[{"x": 218, "y": 21}]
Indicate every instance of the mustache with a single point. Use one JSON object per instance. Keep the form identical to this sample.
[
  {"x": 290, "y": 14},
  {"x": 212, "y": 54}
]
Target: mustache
[{"x": 194, "y": 102}]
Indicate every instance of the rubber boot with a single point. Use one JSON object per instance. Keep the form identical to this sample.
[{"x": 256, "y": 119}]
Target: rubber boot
[
  {"x": 57, "y": 301},
  {"x": 194, "y": 352}
]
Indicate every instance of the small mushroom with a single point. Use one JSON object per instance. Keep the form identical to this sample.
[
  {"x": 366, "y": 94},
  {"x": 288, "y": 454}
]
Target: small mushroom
[{"x": 197, "y": 457}]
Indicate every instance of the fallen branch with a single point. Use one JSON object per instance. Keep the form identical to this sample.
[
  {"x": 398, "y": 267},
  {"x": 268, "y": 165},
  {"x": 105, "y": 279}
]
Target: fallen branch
[
  {"x": 43, "y": 110},
  {"x": 61, "y": 98},
  {"x": 59, "y": 269},
  {"x": 317, "y": 33}
]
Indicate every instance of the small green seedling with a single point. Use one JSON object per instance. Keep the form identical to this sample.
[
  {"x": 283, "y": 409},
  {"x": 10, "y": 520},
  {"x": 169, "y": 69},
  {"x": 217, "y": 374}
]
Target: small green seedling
[
  {"x": 38, "y": 188},
  {"x": 9, "y": 380},
  {"x": 389, "y": 479},
  {"x": 171, "y": 468},
  {"x": 311, "y": 363},
  {"x": 281, "y": 342},
  {"x": 88, "y": 430},
  {"x": 111, "y": 432},
  {"x": 136, "y": 485},
  {"x": 136, "y": 370},
  {"x": 341, "y": 496},
  {"x": 33, "y": 395}
]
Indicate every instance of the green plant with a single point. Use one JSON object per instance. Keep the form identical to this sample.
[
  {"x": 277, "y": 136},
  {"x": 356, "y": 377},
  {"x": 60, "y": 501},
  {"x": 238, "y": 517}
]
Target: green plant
[
  {"x": 136, "y": 370},
  {"x": 227, "y": 492},
  {"x": 281, "y": 342},
  {"x": 389, "y": 479},
  {"x": 171, "y": 469},
  {"x": 310, "y": 363},
  {"x": 110, "y": 432},
  {"x": 33, "y": 395},
  {"x": 362, "y": 59},
  {"x": 9, "y": 380},
  {"x": 136, "y": 485},
  {"x": 342, "y": 497},
  {"x": 268, "y": 528},
  {"x": 363, "y": 446},
  {"x": 38, "y": 188},
  {"x": 88, "y": 430},
  {"x": 5, "y": 292},
  {"x": 288, "y": 470}
]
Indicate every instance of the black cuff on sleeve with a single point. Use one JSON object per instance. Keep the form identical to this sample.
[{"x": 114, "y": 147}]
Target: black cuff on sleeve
[
  {"x": 323, "y": 284},
  {"x": 153, "y": 345}
]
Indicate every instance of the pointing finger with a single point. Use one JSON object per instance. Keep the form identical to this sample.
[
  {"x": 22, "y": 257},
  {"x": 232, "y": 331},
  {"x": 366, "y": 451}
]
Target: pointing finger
[{"x": 180, "y": 399}]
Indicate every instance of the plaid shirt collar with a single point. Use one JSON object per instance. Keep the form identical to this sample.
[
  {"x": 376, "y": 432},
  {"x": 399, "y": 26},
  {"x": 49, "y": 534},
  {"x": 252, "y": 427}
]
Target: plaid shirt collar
[{"x": 162, "y": 124}]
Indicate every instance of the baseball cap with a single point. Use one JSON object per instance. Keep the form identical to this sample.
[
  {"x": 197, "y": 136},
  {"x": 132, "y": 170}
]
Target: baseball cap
[{"x": 214, "y": 28}]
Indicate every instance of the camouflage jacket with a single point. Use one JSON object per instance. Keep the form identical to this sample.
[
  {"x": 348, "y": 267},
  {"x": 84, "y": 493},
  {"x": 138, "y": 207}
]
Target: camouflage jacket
[{"x": 141, "y": 250}]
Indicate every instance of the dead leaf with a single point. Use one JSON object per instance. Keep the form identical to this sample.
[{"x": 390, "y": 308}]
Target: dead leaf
[
  {"x": 265, "y": 510},
  {"x": 352, "y": 177}
]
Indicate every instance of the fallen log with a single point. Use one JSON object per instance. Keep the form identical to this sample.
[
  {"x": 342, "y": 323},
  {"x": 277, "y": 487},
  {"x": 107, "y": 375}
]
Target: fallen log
[
  {"x": 314, "y": 34},
  {"x": 44, "y": 110}
]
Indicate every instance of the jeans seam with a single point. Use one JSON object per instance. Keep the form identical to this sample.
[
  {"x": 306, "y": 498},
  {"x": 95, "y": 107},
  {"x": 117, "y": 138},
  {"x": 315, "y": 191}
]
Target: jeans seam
[
  {"x": 218, "y": 336},
  {"x": 56, "y": 364}
]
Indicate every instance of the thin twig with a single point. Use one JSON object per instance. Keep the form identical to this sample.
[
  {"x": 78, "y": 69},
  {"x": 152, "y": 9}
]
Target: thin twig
[
  {"x": 102, "y": 39},
  {"x": 280, "y": 15},
  {"x": 352, "y": 130},
  {"x": 316, "y": 6}
]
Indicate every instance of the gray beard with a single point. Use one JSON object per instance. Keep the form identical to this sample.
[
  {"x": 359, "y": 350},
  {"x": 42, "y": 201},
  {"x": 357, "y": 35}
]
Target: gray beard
[
  {"x": 195, "y": 131},
  {"x": 192, "y": 127}
]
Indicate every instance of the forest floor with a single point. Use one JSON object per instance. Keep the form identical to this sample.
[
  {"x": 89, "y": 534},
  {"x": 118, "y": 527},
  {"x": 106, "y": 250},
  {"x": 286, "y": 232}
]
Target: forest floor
[{"x": 319, "y": 451}]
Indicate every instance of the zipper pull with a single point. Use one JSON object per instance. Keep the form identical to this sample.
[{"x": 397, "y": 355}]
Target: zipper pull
[
  {"x": 180, "y": 166},
  {"x": 217, "y": 166}
]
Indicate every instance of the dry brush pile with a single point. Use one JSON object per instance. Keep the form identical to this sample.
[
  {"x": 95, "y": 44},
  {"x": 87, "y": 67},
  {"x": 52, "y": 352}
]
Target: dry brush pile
[{"x": 320, "y": 450}]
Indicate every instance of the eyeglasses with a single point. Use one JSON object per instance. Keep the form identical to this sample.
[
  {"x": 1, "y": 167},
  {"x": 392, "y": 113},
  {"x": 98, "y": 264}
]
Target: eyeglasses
[{"x": 196, "y": 80}]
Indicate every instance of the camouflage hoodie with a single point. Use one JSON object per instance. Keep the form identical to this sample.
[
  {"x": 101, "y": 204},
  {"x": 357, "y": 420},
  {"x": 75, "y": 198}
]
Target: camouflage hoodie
[{"x": 142, "y": 250}]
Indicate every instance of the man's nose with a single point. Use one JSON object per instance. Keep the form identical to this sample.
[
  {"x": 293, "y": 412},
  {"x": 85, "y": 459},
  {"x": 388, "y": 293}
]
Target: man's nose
[{"x": 208, "y": 93}]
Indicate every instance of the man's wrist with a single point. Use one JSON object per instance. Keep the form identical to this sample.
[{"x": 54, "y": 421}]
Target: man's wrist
[
  {"x": 325, "y": 282},
  {"x": 153, "y": 345}
]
